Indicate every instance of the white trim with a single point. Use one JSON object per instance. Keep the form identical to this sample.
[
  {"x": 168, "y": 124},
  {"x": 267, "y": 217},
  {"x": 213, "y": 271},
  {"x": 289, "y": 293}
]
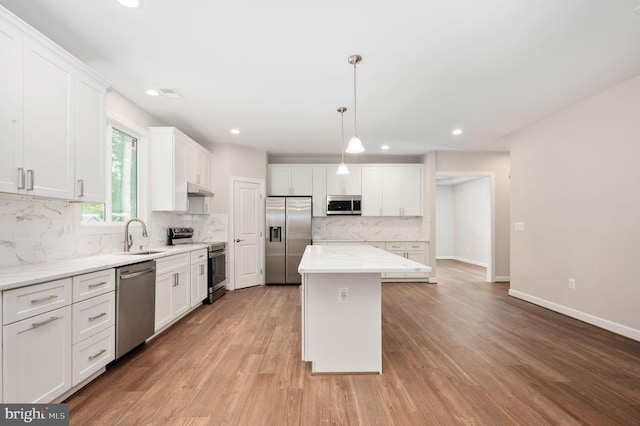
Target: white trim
[
  {"x": 614, "y": 327},
  {"x": 445, "y": 258},
  {"x": 231, "y": 283},
  {"x": 470, "y": 261},
  {"x": 503, "y": 279}
]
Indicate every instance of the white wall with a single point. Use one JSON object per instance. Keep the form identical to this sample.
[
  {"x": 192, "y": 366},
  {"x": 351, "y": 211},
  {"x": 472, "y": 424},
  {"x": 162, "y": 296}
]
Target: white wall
[
  {"x": 472, "y": 221},
  {"x": 576, "y": 187},
  {"x": 463, "y": 221},
  {"x": 444, "y": 221}
]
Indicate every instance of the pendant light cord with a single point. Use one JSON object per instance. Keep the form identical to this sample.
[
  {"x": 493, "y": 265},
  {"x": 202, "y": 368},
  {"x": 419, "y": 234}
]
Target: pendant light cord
[
  {"x": 342, "y": 126},
  {"x": 355, "y": 110}
]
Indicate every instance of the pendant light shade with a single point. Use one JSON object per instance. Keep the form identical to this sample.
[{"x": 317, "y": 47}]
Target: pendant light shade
[
  {"x": 355, "y": 144},
  {"x": 342, "y": 168}
]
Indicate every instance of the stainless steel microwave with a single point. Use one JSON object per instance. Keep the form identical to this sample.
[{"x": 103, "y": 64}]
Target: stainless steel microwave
[{"x": 344, "y": 204}]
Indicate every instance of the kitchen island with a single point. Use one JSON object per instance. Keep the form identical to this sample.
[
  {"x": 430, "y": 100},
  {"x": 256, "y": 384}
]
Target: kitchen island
[{"x": 342, "y": 307}]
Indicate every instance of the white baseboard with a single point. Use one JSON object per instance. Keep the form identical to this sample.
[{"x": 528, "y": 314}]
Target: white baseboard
[
  {"x": 472, "y": 262},
  {"x": 623, "y": 330},
  {"x": 445, "y": 257},
  {"x": 503, "y": 279}
]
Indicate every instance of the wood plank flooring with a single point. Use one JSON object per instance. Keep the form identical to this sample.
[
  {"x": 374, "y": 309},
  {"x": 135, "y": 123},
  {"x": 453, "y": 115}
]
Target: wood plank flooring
[{"x": 459, "y": 352}]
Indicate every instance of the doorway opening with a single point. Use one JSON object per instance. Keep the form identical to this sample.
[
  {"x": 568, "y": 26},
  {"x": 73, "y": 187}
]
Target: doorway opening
[{"x": 465, "y": 218}]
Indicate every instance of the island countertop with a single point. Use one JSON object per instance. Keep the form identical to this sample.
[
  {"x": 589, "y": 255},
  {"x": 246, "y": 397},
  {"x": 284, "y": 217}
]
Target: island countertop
[{"x": 354, "y": 259}]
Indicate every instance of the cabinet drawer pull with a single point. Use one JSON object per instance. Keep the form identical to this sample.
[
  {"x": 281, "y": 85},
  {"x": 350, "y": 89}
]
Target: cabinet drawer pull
[
  {"x": 44, "y": 299},
  {"x": 97, "y": 316},
  {"x": 97, "y": 284},
  {"x": 92, "y": 357},
  {"x": 41, "y": 323}
]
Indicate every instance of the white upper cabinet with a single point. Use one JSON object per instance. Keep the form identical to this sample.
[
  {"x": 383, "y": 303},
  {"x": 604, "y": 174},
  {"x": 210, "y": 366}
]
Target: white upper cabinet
[
  {"x": 10, "y": 106},
  {"x": 319, "y": 193},
  {"x": 90, "y": 140},
  {"x": 48, "y": 151},
  {"x": 168, "y": 169},
  {"x": 198, "y": 165},
  {"x": 290, "y": 180},
  {"x": 51, "y": 110},
  {"x": 392, "y": 190},
  {"x": 349, "y": 184},
  {"x": 371, "y": 191}
]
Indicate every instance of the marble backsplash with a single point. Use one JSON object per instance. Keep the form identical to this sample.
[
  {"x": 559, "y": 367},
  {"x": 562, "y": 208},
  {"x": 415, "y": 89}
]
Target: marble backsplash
[
  {"x": 36, "y": 231},
  {"x": 370, "y": 228}
]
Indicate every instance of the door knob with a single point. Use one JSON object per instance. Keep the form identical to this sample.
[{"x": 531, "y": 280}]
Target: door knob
[{"x": 238, "y": 240}]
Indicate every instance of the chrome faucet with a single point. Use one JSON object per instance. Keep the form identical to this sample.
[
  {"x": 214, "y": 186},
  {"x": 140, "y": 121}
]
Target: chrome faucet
[{"x": 128, "y": 240}]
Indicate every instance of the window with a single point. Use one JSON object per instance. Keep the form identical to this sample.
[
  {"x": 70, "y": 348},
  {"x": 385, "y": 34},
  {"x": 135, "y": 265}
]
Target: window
[{"x": 122, "y": 181}]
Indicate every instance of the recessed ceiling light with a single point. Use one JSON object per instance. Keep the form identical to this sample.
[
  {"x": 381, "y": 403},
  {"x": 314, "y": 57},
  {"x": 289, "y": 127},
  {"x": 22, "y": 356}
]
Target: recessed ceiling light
[
  {"x": 152, "y": 92},
  {"x": 456, "y": 132},
  {"x": 384, "y": 147},
  {"x": 133, "y": 4},
  {"x": 235, "y": 131}
]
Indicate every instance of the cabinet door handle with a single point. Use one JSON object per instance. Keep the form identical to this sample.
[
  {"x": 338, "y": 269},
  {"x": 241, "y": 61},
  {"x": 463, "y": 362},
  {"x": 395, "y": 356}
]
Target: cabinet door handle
[
  {"x": 30, "y": 180},
  {"x": 201, "y": 269},
  {"x": 80, "y": 187},
  {"x": 176, "y": 279},
  {"x": 92, "y": 357},
  {"x": 44, "y": 299},
  {"x": 97, "y": 284},
  {"x": 20, "y": 178},
  {"x": 41, "y": 323},
  {"x": 93, "y": 318}
]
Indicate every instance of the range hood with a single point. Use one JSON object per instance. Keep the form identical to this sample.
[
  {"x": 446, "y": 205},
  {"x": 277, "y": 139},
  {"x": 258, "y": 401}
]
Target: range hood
[{"x": 194, "y": 190}]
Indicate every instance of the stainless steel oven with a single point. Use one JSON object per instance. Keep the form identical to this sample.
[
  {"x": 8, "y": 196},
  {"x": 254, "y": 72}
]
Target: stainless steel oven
[{"x": 217, "y": 282}]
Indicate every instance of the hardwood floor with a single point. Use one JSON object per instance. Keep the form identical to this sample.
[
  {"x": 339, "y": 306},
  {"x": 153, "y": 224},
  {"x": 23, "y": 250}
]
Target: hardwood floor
[{"x": 459, "y": 352}]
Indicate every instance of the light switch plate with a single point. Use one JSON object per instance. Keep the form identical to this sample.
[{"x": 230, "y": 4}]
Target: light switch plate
[{"x": 518, "y": 226}]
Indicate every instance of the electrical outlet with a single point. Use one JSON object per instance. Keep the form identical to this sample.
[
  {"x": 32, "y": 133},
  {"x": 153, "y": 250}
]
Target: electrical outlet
[
  {"x": 572, "y": 283},
  {"x": 343, "y": 295}
]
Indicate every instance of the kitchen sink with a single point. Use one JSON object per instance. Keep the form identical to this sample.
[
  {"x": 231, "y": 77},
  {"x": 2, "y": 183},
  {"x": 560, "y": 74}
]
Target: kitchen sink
[{"x": 142, "y": 252}]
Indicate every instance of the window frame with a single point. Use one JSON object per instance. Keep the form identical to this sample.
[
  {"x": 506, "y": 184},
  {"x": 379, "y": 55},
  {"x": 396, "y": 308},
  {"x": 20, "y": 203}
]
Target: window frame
[{"x": 141, "y": 134}]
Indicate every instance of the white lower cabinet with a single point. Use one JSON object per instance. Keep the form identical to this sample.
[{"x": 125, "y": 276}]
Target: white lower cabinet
[
  {"x": 416, "y": 251},
  {"x": 37, "y": 357},
  {"x": 92, "y": 354},
  {"x": 172, "y": 289},
  {"x": 198, "y": 277}
]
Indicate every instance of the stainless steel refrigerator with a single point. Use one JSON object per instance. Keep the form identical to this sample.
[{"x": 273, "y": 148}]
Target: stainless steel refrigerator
[{"x": 288, "y": 222}]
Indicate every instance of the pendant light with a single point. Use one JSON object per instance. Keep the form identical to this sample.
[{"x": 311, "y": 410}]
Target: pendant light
[
  {"x": 342, "y": 168},
  {"x": 355, "y": 144}
]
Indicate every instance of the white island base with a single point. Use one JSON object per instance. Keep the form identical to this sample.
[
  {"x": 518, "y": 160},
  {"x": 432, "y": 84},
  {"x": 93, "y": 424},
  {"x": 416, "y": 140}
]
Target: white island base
[
  {"x": 339, "y": 336},
  {"x": 342, "y": 306}
]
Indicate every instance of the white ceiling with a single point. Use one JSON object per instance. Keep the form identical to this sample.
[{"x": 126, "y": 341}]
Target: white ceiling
[{"x": 278, "y": 70}]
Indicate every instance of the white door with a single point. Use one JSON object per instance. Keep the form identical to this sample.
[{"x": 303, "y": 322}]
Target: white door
[{"x": 247, "y": 234}]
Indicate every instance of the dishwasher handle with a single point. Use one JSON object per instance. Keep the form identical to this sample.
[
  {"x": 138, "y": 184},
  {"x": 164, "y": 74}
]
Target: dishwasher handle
[{"x": 136, "y": 274}]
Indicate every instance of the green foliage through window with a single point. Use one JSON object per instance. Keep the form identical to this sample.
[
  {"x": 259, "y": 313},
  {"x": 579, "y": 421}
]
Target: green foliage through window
[{"x": 122, "y": 201}]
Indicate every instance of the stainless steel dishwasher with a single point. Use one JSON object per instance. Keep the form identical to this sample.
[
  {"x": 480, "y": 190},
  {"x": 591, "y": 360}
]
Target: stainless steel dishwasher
[{"x": 135, "y": 305}]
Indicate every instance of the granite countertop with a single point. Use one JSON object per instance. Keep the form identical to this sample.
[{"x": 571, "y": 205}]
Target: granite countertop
[
  {"x": 355, "y": 259},
  {"x": 20, "y": 276}
]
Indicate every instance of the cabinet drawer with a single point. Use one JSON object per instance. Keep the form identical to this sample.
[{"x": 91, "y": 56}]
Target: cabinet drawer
[
  {"x": 93, "y": 284},
  {"x": 93, "y": 315},
  {"x": 416, "y": 246},
  {"x": 198, "y": 256},
  {"x": 25, "y": 302},
  {"x": 395, "y": 246},
  {"x": 92, "y": 354},
  {"x": 170, "y": 263}
]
